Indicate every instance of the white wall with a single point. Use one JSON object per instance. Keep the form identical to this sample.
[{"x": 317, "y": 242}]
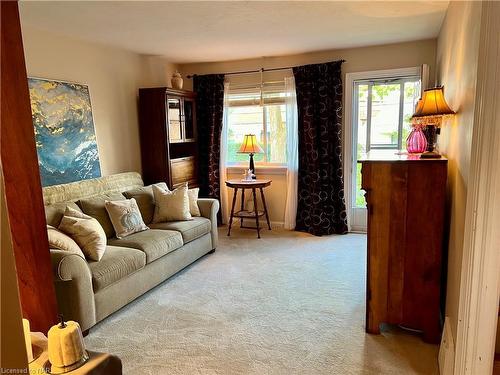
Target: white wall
[
  {"x": 400, "y": 55},
  {"x": 113, "y": 76},
  {"x": 457, "y": 67}
]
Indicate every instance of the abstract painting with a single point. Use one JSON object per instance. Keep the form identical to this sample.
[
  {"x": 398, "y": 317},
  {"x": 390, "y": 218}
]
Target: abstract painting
[{"x": 64, "y": 131}]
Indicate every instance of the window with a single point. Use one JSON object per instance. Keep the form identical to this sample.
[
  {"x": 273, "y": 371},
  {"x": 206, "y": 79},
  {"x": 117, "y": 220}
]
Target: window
[
  {"x": 264, "y": 116},
  {"x": 382, "y": 112}
]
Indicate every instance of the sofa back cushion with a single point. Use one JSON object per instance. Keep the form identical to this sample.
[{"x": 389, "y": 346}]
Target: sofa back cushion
[
  {"x": 95, "y": 207},
  {"x": 55, "y": 212},
  {"x": 145, "y": 200},
  {"x": 73, "y": 191},
  {"x": 57, "y": 197}
]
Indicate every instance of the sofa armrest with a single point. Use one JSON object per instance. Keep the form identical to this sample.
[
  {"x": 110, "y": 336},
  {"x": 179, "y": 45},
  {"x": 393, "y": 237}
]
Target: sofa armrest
[
  {"x": 209, "y": 209},
  {"x": 73, "y": 284}
]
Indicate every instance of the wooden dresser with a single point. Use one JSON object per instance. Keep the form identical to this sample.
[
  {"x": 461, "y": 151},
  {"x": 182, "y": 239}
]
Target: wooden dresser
[
  {"x": 406, "y": 199},
  {"x": 167, "y": 125}
]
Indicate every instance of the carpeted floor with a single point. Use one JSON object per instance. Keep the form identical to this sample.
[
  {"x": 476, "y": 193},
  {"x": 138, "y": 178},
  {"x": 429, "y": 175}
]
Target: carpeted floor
[{"x": 289, "y": 303}]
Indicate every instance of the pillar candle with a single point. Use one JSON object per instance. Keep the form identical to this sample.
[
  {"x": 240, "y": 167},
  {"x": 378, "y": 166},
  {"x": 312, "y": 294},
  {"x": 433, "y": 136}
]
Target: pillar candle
[{"x": 27, "y": 339}]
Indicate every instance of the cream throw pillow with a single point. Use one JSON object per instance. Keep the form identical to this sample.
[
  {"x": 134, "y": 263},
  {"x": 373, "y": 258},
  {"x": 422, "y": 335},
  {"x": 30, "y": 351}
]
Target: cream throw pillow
[
  {"x": 61, "y": 241},
  {"x": 86, "y": 231},
  {"x": 171, "y": 205},
  {"x": 125, "y": 217},
  {"x": 193, "y": 202}
]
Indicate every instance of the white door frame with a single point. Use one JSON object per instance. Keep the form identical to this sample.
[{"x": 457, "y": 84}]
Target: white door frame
[
  {"x": 349, "y": 131},
  {"x": 480, "y": 274}
]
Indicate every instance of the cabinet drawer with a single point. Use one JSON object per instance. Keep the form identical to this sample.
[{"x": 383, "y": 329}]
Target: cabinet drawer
[{"x": 183, "y": 170}]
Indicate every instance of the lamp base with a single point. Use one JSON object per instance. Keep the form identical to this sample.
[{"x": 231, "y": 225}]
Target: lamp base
[
  {"x": 430, "y": 155},
  {"x": 430, "y": 132},
  {"x": 252, "y": 167}
]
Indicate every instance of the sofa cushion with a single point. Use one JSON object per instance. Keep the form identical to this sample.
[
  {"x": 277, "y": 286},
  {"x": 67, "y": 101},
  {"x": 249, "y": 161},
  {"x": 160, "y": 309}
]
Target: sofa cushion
[
  {"x": 86, "y": 231},
  {"x": 54, "y": 212},
  {"x": 95, "y": 207},
  {"x": 145, "y": 200},
  {"x": 193, "y": 201},
  {"x": 117, "y": 263},
  {"x": 126, "y": 217},
  {"x": 154, "y": 242},
  {"x": 190, "y": 230},
  {"x": 61, "y": 241},
  {"x": 171, "y": 205}
]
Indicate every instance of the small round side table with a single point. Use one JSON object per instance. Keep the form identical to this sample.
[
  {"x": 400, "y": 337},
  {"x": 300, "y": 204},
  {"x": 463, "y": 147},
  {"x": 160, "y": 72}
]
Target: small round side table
[{"x": 244, "y": 214}]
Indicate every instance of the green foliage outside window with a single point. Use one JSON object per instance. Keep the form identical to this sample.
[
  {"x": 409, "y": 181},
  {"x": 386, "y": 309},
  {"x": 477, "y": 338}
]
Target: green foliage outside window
[
  {"x": 268, "y": 123},
  {"x": 380, "y": 95}
]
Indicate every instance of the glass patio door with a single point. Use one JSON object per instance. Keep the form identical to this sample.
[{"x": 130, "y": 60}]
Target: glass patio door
[{"x": 381, "y": 121}]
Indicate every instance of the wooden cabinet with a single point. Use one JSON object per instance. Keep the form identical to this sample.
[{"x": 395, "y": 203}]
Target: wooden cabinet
[
  {"x": 406, "y": 200},
  {"x": 167, "y": 121}
]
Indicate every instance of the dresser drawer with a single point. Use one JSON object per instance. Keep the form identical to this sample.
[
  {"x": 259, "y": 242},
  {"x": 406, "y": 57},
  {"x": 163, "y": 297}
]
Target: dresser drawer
[
  {"x": 183, "y": 170},
  {"x": 406, "y": 202}
]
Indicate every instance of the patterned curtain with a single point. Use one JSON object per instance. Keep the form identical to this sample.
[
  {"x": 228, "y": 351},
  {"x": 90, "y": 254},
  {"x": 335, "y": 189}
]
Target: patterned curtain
[
  {"x": 321, "y": 205},
  {"x": 209, "y": 113}
]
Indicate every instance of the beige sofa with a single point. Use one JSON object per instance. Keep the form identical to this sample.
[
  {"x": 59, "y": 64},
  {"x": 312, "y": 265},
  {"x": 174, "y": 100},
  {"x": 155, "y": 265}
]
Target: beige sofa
[{"x": 89, "y": 291}]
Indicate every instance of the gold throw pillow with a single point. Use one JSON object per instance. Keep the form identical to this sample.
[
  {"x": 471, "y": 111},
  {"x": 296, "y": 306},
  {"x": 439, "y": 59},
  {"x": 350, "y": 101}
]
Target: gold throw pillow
[
  {"x": 86, "y": 231},
  {"x": 125, "y": 217},
  {"x": 171, "y": 205},
  {"x": 61, "y": 241},
  {"x": 193, "y": 202}
]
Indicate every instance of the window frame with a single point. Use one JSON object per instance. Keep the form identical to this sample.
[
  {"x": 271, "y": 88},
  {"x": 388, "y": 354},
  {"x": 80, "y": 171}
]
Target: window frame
[
  {"x": 356, "y": 217},
  {"x": 401, "y": 80},
  {"x": 270, "y": 166}
]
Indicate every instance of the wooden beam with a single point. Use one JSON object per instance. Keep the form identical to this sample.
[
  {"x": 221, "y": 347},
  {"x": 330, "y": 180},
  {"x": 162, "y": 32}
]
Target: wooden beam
[{"x": 23, "y": 189}]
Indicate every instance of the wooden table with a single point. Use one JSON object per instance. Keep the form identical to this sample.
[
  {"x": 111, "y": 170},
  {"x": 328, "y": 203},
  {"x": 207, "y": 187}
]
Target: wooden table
[
  {"x": 98, "y": 363},
  {"x": 243, "y": 214}
]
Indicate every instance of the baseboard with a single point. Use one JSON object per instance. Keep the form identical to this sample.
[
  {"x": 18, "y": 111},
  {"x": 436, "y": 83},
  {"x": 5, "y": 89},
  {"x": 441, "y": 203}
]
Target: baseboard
[
  {"x": 358, "y": 230},
  {"x": 251, "y": 222},
  {"x": 446, "y": 357},
  {"x": 277, "y": 224}
]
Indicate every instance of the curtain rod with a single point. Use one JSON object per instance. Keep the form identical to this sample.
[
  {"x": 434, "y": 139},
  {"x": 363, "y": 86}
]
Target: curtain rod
[
  {"x": 254, "y": 71},
  {"x": 248, "y": 71}
]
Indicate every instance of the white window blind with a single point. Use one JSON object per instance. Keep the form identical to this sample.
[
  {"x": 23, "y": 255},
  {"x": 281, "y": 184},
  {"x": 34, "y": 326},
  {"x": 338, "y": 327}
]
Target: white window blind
[{"x": 258, "y": 110}]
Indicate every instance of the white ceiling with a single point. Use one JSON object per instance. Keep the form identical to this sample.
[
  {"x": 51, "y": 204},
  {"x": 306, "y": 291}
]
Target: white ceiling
[{"x": 200, "y": 31}]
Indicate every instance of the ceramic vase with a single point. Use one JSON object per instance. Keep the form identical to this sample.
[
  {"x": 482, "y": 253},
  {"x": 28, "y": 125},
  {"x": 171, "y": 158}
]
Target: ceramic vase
[
  {"x": 177, "y": 81},
  {"x": 416, "y": 142}
]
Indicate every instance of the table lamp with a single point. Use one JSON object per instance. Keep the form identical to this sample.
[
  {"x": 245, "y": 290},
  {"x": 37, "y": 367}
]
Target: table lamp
[
  {"x": 429, "y": 114},
  {"x": 250, "y": 146}
]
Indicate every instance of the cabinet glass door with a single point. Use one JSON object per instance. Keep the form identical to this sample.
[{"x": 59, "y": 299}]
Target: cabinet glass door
[
  {"x": 189, "y": 120},
  {"x": 174, "y": 119}
]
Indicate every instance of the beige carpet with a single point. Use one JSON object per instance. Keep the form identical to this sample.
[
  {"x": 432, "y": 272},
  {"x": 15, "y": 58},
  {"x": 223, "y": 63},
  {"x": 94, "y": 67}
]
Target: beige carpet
[{"x": 289, "y": 303}]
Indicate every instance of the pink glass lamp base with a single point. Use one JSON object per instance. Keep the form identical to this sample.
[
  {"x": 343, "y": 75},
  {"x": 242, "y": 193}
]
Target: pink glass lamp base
[{"x": 416, "y": 142}]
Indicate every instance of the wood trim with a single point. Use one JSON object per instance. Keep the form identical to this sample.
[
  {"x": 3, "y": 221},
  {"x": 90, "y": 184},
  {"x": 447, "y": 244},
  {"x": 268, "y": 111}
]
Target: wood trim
[
  {"x": 23, "y": 189},
  {"x": 259, "y": 170},
  {"x": 480, "y": 279},
  {"x": 183, "y": 93}
]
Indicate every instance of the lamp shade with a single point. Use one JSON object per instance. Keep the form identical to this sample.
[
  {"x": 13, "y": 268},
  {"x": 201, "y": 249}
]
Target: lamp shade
[
  {"x": 432, "y": 104},
  {"x": 250, "y": 145}
]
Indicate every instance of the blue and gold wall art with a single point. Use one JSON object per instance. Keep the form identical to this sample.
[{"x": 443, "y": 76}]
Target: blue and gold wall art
[{"x": 64, "y": 131}]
